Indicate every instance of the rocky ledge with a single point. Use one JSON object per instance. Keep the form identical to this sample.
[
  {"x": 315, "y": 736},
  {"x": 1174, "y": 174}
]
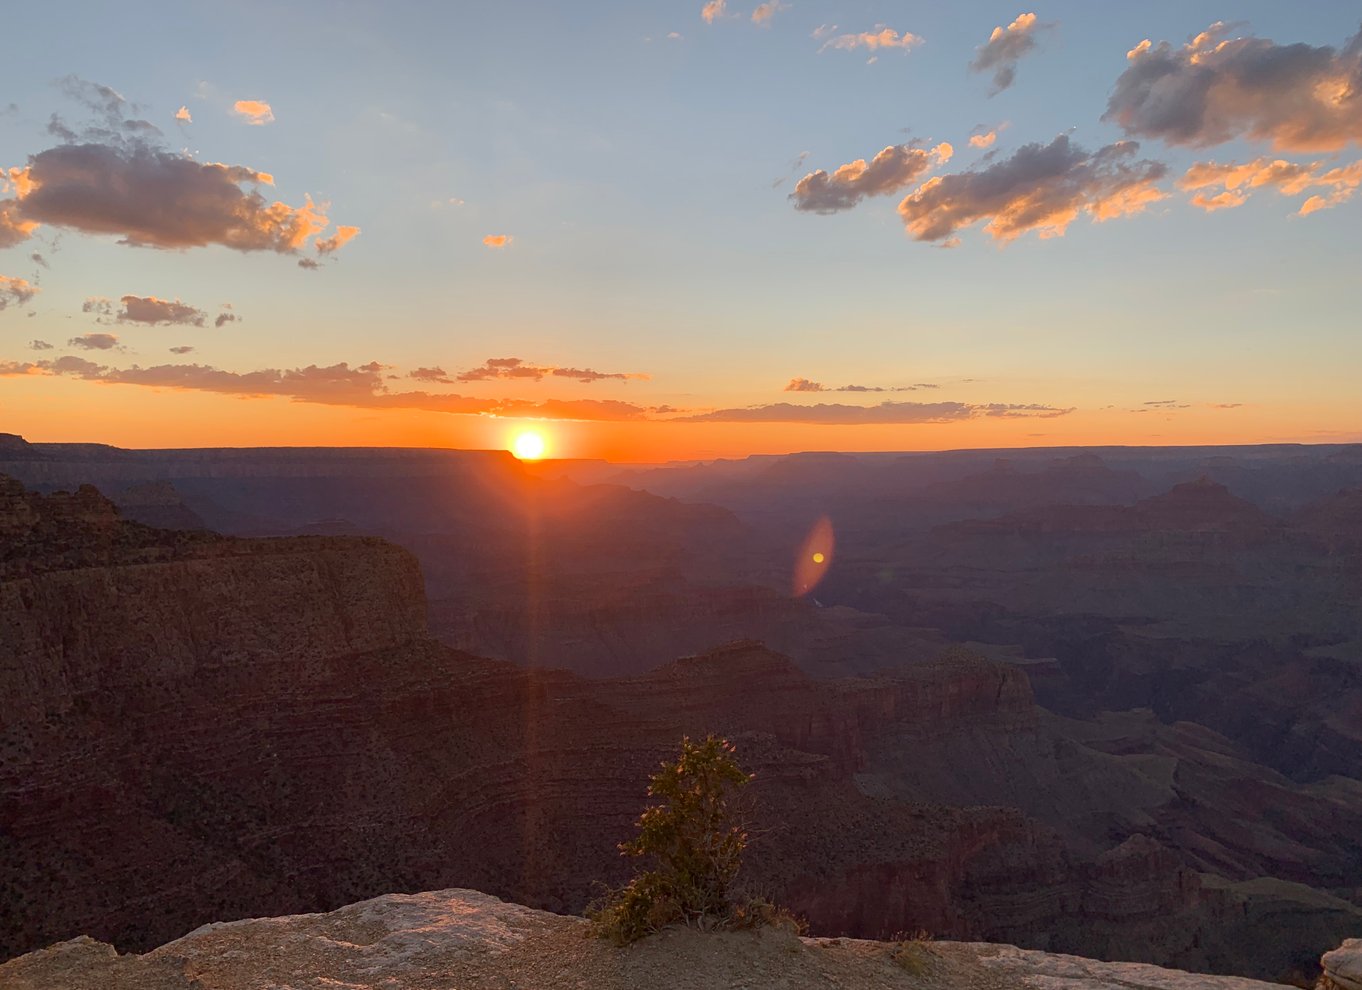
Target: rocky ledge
[{"x": 470, "y": 940}]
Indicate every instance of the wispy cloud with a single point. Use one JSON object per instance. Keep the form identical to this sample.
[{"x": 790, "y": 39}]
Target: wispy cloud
[
  {"x": 1216, "y": 88},
  {"x": 713, "y": 10},
  {"x": 255, "y": 112},
  {"x": 514, "y": 368},
  {"x": 881, "y": 37},
  {"x": 837, "y": 414},
  {"x": 1005, "y": 47},
  {"x": 764, "y": 12},
  {"x": 184, "y": 116},
  {"x": 1040, "y": 188},
  {"x": 893, "y": 169},
  {"x": 1288, "y": 178},
  {"x": 809, "y": 385},
  {"x": 16, "y": 291},
  {"x": 497, "y": 240},
  {"x": 337, "y": 384}
]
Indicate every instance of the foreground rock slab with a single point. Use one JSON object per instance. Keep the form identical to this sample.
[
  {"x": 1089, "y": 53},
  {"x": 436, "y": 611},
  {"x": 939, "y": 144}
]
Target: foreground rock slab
[{"x": 472, "y": 941}]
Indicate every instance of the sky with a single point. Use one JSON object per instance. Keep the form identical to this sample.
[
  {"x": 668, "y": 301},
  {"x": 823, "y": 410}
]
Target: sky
[{"x": 682, "y": 230}]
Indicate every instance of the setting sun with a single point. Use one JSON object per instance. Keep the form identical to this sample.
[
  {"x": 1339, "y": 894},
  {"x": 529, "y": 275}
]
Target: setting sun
[{"x": 528, "y": 446}]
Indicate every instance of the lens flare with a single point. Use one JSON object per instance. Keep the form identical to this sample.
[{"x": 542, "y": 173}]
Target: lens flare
[{"x": 814, "y": 557}]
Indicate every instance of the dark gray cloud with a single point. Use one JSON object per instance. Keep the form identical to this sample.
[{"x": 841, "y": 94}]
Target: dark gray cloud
[
  {"x": 837, "y": 414},
  {"x": 15, "y": 290},
  {"x": 311, "y": 264},
  {"x": 39, "y": 345},
  {"x": 1040, "y": 187},
  {"x": 1006, "y": 47},
  {"x": 94, "y": 342},
  {"x": 182, "y": 349},
  {"x": 1215, "y": 88},
  {"x": 894, "y": 168}
]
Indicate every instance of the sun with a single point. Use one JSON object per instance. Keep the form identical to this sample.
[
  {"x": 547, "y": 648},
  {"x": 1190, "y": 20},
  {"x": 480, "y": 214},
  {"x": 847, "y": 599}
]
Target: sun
[{"x": 528, "y": 445}]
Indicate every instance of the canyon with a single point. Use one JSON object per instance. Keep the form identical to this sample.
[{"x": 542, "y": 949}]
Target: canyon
[{"x": 198, "y": 728}]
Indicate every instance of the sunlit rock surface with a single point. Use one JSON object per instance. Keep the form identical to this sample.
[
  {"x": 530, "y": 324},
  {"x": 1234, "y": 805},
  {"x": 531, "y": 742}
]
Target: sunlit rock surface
[{"x": 466, "y": 939}]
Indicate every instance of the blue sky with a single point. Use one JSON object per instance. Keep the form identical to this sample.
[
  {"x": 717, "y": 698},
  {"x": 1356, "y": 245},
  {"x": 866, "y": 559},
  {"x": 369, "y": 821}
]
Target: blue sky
[{"x": 644, "y": 182}]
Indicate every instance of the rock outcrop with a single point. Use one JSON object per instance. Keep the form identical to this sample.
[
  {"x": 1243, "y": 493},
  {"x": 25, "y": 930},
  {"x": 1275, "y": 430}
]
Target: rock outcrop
[{"x": 467, "y": 939}]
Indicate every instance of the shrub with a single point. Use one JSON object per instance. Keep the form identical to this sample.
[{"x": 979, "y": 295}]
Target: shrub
[{"x": 695, "y": 842}]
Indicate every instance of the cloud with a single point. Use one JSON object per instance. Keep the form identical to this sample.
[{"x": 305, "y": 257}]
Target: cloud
[
  {"x": 310, "y": 264},
  {"x": 182, "y": 349},
  {"x": 257, "y": 113},
  {"x": 222, "y": 319},
  {"x": 764, "y": 12},
  {"x": 13, "y": 227},
  {"x": 1214, "y": 89},
  {"x": 1288, "y": 178},
  {"x": 94, "y": 342},
  {"x": 184, "y": 116},
  {"x": 337, "y": 384},
  {"x": 1005, "y": 47},
  {"x": 37, "y": 258},
  {"x": 1040, "y": 188},
  {"x": 808, "y": 385},
  {"x": 436, "y": 374},
  {"x": 16, "y": 290},
  {"x": 836, "y": 414},
  {"x": 511, "y": 368},
  {"x": 39, "y": 345},
  {"x": 982, "y": 138},
  {"x": 891, "y": 170},
  {"x": 713, "y": 10},
  {"x": 497, "y": 240},
  {"x": 155, "y": 198},
  {"x": 881, "y": 37},
  {"x": 336, "y": 241}
]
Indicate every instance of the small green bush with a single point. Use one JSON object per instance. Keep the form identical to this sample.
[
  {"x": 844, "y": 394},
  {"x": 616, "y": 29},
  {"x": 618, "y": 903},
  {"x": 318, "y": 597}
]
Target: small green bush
[{"x": 695, "y": 843}]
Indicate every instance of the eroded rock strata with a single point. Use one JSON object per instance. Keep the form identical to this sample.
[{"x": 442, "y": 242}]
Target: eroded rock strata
[{"x": 198, "y": 728}]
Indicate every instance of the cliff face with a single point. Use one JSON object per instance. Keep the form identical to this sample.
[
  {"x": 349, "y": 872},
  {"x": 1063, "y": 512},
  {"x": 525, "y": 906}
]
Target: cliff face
[{"x": 198, "y": 728}]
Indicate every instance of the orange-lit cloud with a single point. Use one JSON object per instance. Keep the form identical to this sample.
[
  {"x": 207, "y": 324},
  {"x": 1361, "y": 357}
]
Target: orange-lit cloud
[
  {"x": 892, "y": 169},
  {"x": 256, "y": 112},
  {"x": 153, "y": 198},
  {"x": 336, "y": 241},
  {"x": 765, "y": 11},
  {"x": 713, "y": 10},
  {"x": 184, "y": 116},
  {"x": 837, "y": 414},
  {"x": 1005, "y": 48},
  {"x": 881, "y": 37},
  {"x": 16, "y": 290},
  {"x": 1040, "y": 188},
  {"x": 497, "y": 240},
  {"x": 13, "y": 227},
  {"x": 983, "y": 140},
  {"x": 515, "y": 368},
  {"x": 1215, "y": 88},
  {"x": 1288, "y": 178}
]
